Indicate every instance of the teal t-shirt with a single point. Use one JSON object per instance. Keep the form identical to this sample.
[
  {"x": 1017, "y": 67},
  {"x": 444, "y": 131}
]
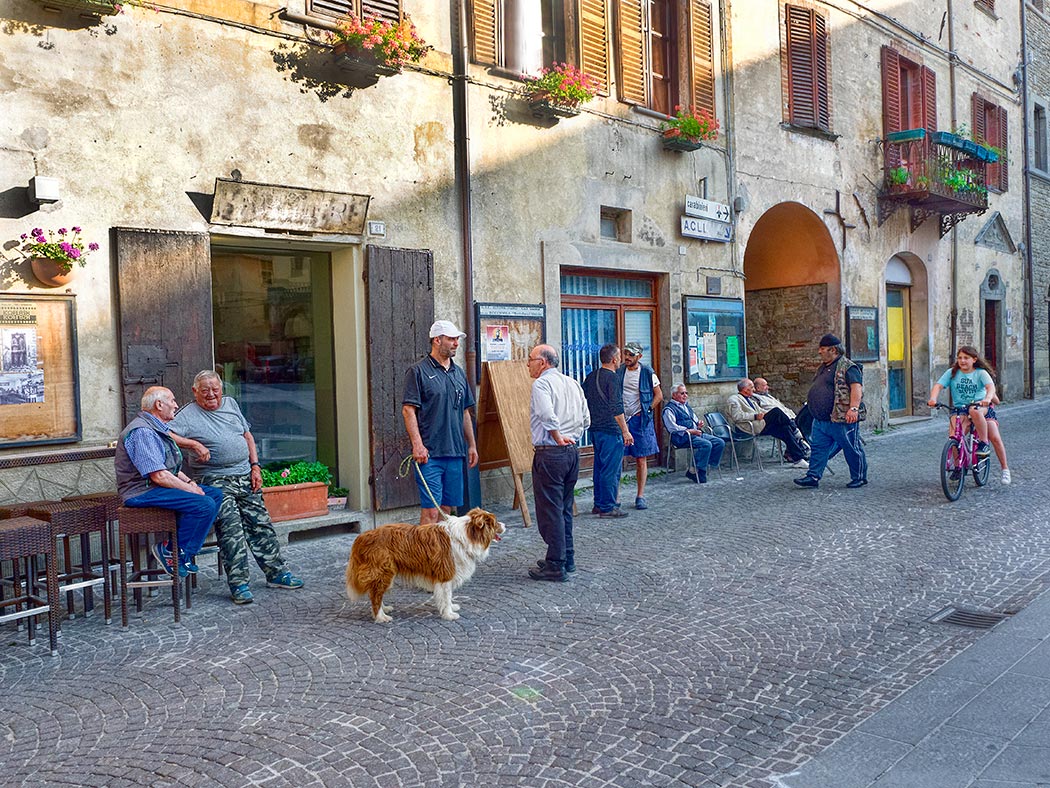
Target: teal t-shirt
[{"x": 966, "y": 387}]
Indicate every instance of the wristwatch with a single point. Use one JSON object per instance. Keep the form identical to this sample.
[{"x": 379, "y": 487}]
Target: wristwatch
[
  {"x": 856, "y": 409},
  {"x": 255, "y": 465}
]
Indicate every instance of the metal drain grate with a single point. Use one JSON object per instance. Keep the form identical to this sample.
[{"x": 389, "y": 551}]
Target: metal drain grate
[{"x": 960, "y": 617}]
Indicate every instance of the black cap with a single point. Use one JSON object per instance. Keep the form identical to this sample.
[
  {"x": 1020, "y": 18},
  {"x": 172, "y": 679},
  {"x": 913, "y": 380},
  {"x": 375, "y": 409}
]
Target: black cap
[{"x": 830, "y": 340}]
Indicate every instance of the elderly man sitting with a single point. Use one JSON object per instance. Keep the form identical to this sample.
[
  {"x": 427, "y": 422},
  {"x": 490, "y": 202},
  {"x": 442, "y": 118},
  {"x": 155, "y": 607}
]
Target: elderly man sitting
[
  {"x": 684, "y": 427},
  {"x": 232, "y": 465},
  {"x": 148, "y": 466},
  {"x": 754, "y": 417}
]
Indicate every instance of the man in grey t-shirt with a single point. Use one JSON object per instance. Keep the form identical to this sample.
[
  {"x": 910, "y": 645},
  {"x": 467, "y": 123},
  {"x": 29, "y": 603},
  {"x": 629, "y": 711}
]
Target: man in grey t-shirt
[{"x": 233, "y": 466}]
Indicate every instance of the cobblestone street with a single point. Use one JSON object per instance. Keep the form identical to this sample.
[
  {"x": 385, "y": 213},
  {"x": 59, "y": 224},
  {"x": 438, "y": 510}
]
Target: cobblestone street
[{"x": 724, "y": 636}]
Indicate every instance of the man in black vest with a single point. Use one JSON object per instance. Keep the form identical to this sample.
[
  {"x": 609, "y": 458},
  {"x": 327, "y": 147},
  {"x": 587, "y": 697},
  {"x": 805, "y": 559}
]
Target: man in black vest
[{"x": 148, "y": 466}]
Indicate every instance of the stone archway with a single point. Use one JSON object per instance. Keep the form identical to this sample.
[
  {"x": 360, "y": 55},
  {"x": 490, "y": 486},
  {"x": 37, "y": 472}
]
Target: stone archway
[{"x": 793, "y": 293}]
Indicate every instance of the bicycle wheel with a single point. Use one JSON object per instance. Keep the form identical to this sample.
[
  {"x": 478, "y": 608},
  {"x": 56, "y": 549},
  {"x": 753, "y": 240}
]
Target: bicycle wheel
[
  {"x": 981, "y": 471},
  {"x": 952, "y": 476}
]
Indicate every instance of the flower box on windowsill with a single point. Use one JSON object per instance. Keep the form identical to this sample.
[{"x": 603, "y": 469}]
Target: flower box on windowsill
[
  {"x": 679, "y": 144},
  {"x": 94, "y": 7},
  {"x": 545, "y": 110},
  {"x": 361, "y": 66}
]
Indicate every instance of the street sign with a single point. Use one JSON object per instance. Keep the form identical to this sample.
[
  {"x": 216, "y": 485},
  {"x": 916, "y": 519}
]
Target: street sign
[
  {"x": 705, "y": 209},
  {"x": 706, "y": 229}
]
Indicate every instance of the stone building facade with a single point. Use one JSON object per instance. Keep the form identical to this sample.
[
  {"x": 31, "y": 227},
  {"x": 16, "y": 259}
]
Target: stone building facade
[
  {"x": 262, "y": 208},
  {"x": 1037, "y": 80}
]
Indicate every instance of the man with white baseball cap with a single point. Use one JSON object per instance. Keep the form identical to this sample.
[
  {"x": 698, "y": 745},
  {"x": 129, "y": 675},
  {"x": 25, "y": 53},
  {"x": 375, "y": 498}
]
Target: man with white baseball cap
[{"x": 434, "y": 408}]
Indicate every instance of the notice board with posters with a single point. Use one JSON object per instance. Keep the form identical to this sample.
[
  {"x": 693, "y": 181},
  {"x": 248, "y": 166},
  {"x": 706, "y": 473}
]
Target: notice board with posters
[
  {"x": 862, "y": 333},
  {"x": 714, "y": 339},
  {"x": 39, "y": 378},
  {"x": 507, "y": 332}
]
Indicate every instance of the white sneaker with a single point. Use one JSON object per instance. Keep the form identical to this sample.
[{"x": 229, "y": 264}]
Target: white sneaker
[
  {"x": 1006, "y": 476},
  {"x": 801, "y": 464}
]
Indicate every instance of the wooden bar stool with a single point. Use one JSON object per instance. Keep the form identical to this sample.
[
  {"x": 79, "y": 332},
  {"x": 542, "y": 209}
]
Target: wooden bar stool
[
  {"x": 111, "y": 500},
  {"x": 135, "y": 525},
  {"x": 72, "y": 520},
  {"x": 22, "y": 540}
]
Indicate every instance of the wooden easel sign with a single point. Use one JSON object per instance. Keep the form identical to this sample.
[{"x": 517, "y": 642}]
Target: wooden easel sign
[{"x": 503, "y": 424}]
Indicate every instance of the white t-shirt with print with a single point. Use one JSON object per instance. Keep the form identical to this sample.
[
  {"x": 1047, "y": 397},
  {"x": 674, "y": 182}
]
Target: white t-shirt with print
[{"x": 632, "y": 401}]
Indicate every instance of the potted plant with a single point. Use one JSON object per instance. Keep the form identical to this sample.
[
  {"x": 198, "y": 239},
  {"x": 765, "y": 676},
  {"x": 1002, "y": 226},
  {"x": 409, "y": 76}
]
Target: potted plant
[
  {"x": 687, "y": 129},
  {"x": 295, "y": 491},
  {"x": 95, "y": 7},
  {"x": 897, "y": 178},
  {"x": 370, "y": 48},
  {"x": 559, "y": 91},
  {"x": 54, "y": 254}
]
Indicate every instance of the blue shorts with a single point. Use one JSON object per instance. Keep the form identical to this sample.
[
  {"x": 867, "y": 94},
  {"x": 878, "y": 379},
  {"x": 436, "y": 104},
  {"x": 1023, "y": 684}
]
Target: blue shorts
[{"x": 444, "y": 476}]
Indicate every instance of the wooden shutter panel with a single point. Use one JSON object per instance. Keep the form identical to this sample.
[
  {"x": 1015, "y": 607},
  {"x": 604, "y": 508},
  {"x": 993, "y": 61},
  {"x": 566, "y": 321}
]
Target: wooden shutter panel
[
  {"x": 822, "y": 86},
  {"x": 980, "y": 132},
  {"x": 383, "y": 10},
  {"x": 891, "y": 101},
  {"x": 594, "y": 38},
  {"x": 400, "y": 293},
  {"x": 802, "y": 110},
  {"x": 702, "y": 48},
  {"x": 630, "y": 40},
  {"x": 164, "y": 302},
  {"x": 1004, "y": 169},
  {"x": 929, "y": 99},
  {"x": 484, "y": 32},
  {"x": 336, "y": 9}
]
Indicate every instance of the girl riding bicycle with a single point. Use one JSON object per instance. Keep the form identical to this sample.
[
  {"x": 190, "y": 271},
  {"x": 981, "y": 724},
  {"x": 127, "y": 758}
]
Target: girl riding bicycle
[{"x": 971, "y": 387}]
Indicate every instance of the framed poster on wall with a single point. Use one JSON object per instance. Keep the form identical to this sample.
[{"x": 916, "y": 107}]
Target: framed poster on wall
[
  {"x": 507, "y": 332},
  {"x": 39, "y": 377},
  {"x": 862, "y": 333},
  {"x": 714, "y": 339}
]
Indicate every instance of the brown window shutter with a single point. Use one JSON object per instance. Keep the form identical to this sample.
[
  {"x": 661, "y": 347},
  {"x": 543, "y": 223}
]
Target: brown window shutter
[
  {"x": 702, "y": 48},
  {"x": 1004, "y": 169},
  {"x": 594, "y": 38},
  {"x": 484, "y": 30},
  {"x": 630, "y": 45},
  {"x": 977, "y": 118},
  {"x": 822, "y": 86},
  {"x": 807, "y": 67},
  {"x": 891, "y": 101},
  {"x": 334, "y": 9},
  {"x": 384, "y": 10},
  {"x": 928, "y": 80}
]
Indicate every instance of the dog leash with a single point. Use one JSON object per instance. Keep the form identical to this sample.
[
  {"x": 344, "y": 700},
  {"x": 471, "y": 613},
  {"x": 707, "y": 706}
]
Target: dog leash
[{"x": 403, "y": 471}]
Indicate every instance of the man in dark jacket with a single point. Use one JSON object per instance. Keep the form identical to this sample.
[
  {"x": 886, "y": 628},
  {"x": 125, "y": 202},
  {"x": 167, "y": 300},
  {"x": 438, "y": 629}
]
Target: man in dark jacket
[{"x": 609, "y": 433}]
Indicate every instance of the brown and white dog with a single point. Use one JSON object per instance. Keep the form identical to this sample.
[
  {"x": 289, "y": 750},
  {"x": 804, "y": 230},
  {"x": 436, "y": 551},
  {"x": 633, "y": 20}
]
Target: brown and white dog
[{"x": 439, "y": 558}]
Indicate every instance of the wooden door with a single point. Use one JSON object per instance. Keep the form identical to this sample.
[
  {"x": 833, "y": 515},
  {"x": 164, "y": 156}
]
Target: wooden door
[
  {"x": 400, "y": 293},
  {"x": 164, "y": 303}
]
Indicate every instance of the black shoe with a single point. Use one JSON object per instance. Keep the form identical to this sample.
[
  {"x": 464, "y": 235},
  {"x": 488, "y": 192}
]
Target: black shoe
[
  {"x": 595, "y": 510},
  {"x": 807, "y": 481},
  {"x": 691, "y": 476},
  {"x": 554, "y": 574},
  {"x": 613, "y": 513},
  {"x": 855, "y": 483},
  {"x": 570, "y": 566}
]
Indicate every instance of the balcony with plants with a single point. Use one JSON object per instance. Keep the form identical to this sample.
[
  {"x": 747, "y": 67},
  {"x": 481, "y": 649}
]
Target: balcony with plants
[{"x": 941, "y": 174}]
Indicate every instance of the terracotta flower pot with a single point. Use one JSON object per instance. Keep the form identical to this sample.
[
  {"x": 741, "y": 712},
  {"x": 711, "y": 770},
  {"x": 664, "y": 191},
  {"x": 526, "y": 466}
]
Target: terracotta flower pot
[
  {"x": 295, "y": 501},
  {"x": 49, "y": 273}
]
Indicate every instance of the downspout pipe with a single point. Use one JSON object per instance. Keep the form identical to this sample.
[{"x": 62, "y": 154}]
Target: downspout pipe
[
  {"x": 955, "y": 229},
  {"x": 1029, "y": 270},
  {"x": 461, "y": 134}
]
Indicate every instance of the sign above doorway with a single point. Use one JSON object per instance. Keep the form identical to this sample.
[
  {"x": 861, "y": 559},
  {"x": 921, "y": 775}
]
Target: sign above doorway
[{"x": 270, "y": 207}]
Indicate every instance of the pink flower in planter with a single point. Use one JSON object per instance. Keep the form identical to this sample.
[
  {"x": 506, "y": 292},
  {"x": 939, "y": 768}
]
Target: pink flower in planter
[{"x": 284, "y": 473}]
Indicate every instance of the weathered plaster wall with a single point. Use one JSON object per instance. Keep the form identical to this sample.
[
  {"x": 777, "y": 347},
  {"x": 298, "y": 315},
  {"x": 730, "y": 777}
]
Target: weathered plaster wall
[{"x": 1039, "y": 86}]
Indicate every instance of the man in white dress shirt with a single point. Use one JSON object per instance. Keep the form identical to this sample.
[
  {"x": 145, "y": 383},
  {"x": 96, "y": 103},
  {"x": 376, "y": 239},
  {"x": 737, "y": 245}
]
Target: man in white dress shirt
[{"x": 558, "y": 416}]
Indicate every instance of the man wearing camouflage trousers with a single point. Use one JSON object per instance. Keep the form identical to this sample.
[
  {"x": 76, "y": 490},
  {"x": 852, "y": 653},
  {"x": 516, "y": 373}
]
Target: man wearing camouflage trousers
[{"x": 231, "y": 463}]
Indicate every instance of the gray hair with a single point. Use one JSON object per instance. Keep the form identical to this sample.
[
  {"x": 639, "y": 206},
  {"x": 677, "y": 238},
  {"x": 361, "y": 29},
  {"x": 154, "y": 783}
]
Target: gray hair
[
  {"x": 549, "y": 354},
  {"x": 678, "y": 387},
  {"x": 742, "y": 383},
  {"x": 206, "y": 374},
  {"x": 152, "y": 396}
]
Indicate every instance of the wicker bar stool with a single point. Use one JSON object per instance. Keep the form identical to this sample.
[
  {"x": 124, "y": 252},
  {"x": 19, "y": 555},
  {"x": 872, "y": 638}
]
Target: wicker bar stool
[
  {"x": 135, "y": 524},
  {"x": 72, "y": 520},
  {"x": 7, "y": 512},
  {"x": 111, "y": 500},
  {"x": 22, "y": 539}
]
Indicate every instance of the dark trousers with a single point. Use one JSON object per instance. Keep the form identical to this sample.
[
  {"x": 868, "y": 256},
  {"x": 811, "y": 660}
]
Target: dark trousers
[
  {"x": 608, "y": 462},
  {"x": 782, "y": 426},
  {"x": 827, "y": 438},
  {"x": 555, "y": 470},
  {"x": 707, "y": 449},
  {"x": 194, "y": 513}
]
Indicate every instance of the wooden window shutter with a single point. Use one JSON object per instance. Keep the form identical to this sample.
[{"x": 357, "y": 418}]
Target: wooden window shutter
[
  {"x": 594, "y": 38},
  {"x": 891, "y": 101},
  {"x": 334, "y": 9},
  {"x": 702, "y": 49},
  {"x": 384, "y": 10},
  {"x": 928, "y": 81},
  {"x": 630, "y": 45},
  {"x": 987, "y": 4},
  {"x": 1004, "y": 170},
  {"x": 977, "y": 118},
  {"x": 484, "y": 32},
  {"x": 807, "y": 68}
]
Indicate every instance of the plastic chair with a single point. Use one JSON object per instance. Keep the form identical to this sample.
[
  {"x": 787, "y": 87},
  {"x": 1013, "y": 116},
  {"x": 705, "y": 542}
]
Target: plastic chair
[{"x": 720, "y": 428}]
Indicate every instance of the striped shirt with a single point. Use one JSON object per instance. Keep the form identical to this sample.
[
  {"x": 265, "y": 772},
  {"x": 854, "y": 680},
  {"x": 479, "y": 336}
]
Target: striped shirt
[
  {"x": 557, "y": 404},
  {"x": 145, "y": 447}
]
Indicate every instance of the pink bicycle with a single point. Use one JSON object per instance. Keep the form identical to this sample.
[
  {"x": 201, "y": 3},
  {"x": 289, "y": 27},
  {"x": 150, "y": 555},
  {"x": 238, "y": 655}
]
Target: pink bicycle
[{"x": 960, "y": 455}]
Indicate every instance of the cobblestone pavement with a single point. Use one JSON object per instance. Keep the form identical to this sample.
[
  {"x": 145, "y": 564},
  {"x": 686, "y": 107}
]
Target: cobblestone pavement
[{"x": 723, "y": 636}]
